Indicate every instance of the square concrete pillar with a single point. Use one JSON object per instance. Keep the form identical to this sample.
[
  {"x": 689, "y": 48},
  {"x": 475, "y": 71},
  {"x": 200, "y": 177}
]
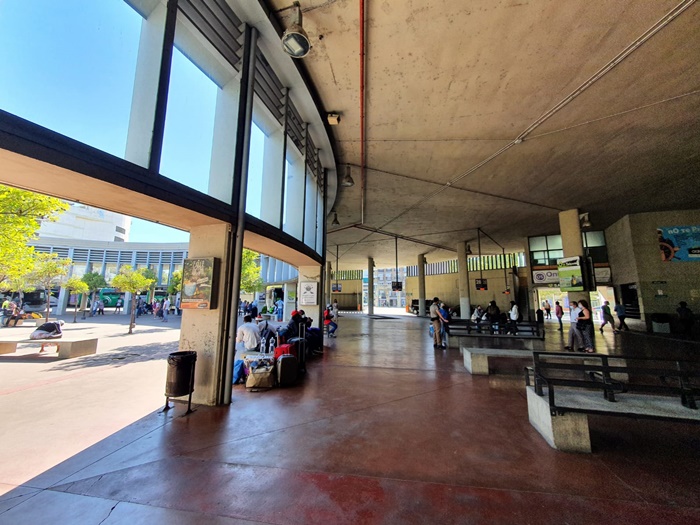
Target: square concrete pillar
[
  {"x": 201, "y": 330},
  {"x": 476, "y": 364},
  {"x": 567, "y": 432}
]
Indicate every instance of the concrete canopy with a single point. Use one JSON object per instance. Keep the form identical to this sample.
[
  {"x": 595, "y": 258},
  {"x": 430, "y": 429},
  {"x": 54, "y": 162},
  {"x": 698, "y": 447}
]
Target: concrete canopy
[{"x": 499, "y": 114}]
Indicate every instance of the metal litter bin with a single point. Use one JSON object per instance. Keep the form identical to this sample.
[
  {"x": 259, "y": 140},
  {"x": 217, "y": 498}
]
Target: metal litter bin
[{"x": 180, "y": 377}]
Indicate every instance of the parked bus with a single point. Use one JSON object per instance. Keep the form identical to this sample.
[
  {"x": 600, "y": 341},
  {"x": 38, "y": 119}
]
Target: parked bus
[{"x": 34, "y": 301}]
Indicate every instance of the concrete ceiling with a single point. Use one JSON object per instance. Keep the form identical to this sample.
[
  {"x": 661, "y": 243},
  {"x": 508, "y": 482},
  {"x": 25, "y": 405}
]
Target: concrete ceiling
[{"x": 499, "y": 114}]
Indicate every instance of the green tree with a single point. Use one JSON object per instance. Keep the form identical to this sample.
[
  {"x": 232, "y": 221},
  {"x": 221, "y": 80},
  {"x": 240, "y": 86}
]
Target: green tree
[
  {"x": 251, "y": 281},
  {"x": 175, "y": 282},
  {"x": 134, "y": 282},
  {"x": 75, "y": 285},
  {"x": 150, "y": 275},
  {"x": 47, "y": 271},
  {"x": 95, "y": 282},
  {"x": 21, "y": 215}
]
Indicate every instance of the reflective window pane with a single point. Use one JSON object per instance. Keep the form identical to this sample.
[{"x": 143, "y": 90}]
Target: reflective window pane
[
  {"x": 554, "y": 242},
  {"x": 294, "y": 193},
  {"x": 310, "y": 212},
  {"x": 538, "y": 243},
  {"x": 70, "y": 66}
]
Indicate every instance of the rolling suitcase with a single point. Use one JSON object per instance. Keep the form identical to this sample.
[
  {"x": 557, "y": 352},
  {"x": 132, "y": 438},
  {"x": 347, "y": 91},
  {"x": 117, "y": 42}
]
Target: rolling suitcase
[
  {"x": 287, "y": 370},
  {"x": 286, "y": 349}
]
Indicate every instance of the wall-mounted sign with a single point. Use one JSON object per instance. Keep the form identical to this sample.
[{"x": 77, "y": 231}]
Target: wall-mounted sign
[
  {"x": 337, "y": 287},
  {"x": 570, "y": 274},
  {"x": 396, "y": 286},
  {"x": 603, "y": 275},
  {"x": 679, "y": 243},
  {"x": 545, "y": 277},
  {"x": 481, "y": 284},
  {"x": 309, "y": 293},
  {"x": 199, "y": 283}
]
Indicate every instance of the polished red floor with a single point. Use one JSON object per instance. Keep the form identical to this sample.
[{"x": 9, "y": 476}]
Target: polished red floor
[{"x": 384, "y": 429}]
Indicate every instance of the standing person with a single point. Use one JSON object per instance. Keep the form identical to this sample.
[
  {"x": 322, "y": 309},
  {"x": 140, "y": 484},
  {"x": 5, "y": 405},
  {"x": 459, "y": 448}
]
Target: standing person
[
  {"x": 493, "y": 312},
  {"x": 329, "y": 322},
  {"x": 335, "y": 309},
  {"x": 585, "y": 326},
  {"x": 607, "y": 316},
  {"x": 548, "y": 309},
  {"x": 539, "y": 319},
  {"x": 178, "y": 304},
  {"x": 166, "y": 309},
  {"x": 621, "y": 313},
  {"x": 575, "y": 337},
  {"x": 445, "y": 319},
  {"x": 513, "y": 317},
  {"x": 559, "y": 313},
  {"x": 686, "y": 316},
  {"x": 280, "y": 309},
  {"x": 437, "y": 325},
  {"x": 118, "y": 307}
]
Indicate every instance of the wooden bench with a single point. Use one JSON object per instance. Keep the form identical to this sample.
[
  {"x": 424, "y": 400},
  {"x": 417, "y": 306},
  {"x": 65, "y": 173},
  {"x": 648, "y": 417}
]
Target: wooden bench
[
  {"x": 467, "y": 328},
  {"x": 67, "y": 348},
  {"x": 566, "y": 388},
  {"x": 476, "y": 360}
]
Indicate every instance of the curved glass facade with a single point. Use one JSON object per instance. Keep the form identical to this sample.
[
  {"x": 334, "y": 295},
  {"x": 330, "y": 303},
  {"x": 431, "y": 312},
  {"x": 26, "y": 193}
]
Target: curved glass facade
[{"x": 158, "y": 84}]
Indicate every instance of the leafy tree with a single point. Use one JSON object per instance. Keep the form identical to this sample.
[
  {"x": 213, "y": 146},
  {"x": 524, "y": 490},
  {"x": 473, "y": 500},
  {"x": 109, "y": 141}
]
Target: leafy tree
[
  {"x": 175, "y": 283},
  {"x": 134, "y": 282},
  {"x": 21, "y": 214},
  {"x": 48, "y": 270},
  {"x": 251, "y": 281},
  {"x": 75, "y": 285},
  {"x": 95, "y": 282},
  {"x": 150, "y": 275}
]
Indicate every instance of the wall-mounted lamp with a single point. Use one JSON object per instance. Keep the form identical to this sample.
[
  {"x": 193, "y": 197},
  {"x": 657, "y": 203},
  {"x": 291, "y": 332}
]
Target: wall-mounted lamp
[
  {"x": 584, "y": 221},
  {"x": 469, "y": 250},
  {"x": 333, "y": 119},
  {"x": 335, "y": 219},
  {"x": 347, "y": 180},
  {"x": 295, "y": 41}
]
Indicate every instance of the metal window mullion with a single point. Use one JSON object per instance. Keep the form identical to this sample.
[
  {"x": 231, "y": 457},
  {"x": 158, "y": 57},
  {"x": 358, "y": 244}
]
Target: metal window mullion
[
  {"x": 285, "y": 113},
  {"x": 166, "y": 59},
  {"x": 306, "y": 178}
]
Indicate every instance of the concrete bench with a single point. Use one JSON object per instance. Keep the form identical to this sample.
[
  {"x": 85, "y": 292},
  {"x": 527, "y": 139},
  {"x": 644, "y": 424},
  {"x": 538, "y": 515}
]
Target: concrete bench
[
  {"x": 467, "y": 328},
  {"x": 40, "y": 321},
  {"x": 476, "y": 360},
  {"x": 67, "y": 348}
]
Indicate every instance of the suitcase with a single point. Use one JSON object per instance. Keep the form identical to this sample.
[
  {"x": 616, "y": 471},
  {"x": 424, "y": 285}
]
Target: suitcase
[
  {"x": 261, "y": 377},
  {"x": 287, "y": 369},
  {"x": 286, "y": 349}
]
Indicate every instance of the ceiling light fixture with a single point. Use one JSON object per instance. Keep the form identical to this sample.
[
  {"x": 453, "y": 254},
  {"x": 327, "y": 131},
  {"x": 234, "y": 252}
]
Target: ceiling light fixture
[
  {"x": 335, "y": 219},
  {"x": 295, "y": 41},
  {"x": 347, "y": 180},
  {"x": 584, "y": 220}
]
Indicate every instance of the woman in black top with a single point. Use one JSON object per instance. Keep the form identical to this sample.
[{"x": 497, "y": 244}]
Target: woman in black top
[{"x": 585, "y": 326}]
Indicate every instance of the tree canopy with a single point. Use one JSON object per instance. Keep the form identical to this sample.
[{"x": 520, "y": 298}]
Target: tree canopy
[
  {"x": 251, "y": 281},
  {"x": 21, "y": 215},
  {"x": 47, "y": 271},
  {"x": 132, "y": 281}
]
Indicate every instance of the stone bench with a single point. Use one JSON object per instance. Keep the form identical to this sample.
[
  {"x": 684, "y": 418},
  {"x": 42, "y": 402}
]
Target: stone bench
[
  {"x": 40, "y": 321},
  {"x": 67, "y": 348},
  {"x": 476, "y": 360}
]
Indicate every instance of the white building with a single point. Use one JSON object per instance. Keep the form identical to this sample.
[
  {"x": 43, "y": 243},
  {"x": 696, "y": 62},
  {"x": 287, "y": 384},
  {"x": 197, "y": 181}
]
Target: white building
[{"x": 85, "y": 222}]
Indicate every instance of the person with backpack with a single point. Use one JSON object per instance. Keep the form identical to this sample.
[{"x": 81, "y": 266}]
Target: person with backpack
[
  {"x": 329, "y": 322},
  {"x": 559, "y": 313}
]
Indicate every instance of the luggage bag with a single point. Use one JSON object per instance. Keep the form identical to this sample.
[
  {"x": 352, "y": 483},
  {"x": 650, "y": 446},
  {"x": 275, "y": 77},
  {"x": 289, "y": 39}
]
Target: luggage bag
[
  {"x": 287, "y": 369},
  {"x": 289, "y": 348},
  {"x": 261, "y": 377}
]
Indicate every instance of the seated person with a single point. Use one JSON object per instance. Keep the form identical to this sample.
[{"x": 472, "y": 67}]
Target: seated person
[
  {"x": 47, "y": 331},
  {"x": 247, "y": 340}
]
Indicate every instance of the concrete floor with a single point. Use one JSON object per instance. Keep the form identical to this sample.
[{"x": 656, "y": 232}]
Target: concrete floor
[{"x": 383, "y": 429}]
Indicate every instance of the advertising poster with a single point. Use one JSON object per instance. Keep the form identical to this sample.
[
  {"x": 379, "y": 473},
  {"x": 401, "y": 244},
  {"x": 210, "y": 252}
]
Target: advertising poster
[
  {"x": 545, "y": 277},
  {"x": 570, "y": 274},
  {"x": 198, "y": 284},
  {"x": 309, "y": 293},
  {"x": 679, "y": 243}
]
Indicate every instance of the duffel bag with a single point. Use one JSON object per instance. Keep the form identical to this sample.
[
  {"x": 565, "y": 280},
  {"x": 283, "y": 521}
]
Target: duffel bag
[{"x": 261, "y": 377}]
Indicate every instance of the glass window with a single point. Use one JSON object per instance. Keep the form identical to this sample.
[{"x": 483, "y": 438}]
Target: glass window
[
  {"x": 293, "y": 216},
  {"x": 310, "y": 211},
  {"x": 554, "y": 242},
  {"x": 110, "y": 271},
  {"x": 556, "y": 254},
  {"x": 264, "y": 195},
  {"x": 538, "y": 243},
  {"x": 594, "y": 239},
  {"x": 70, "y": 66},
  {"x": 319, "y": 222}
]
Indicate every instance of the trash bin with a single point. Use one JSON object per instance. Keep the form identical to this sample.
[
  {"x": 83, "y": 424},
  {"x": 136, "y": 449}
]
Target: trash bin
[
  {"x": 180, "y": 378},
  {"x": 661, "y": 323}
]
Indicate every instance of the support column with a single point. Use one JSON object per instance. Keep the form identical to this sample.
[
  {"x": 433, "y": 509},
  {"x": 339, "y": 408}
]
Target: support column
[
  {"x": 572, "y": 244},
  {"x": 465, "y": 309},
  {"x": 370, "y": 286},
  {"x": 201, "y": 330},
  {"x": 309, "y": 293},
  {"x": 290, "y": 301},
  {"x": 421, "y": 285}
]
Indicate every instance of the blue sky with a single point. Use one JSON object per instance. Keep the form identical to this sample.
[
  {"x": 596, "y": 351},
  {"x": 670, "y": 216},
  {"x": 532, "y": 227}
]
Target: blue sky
[{"x": 70, "y": 65}]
